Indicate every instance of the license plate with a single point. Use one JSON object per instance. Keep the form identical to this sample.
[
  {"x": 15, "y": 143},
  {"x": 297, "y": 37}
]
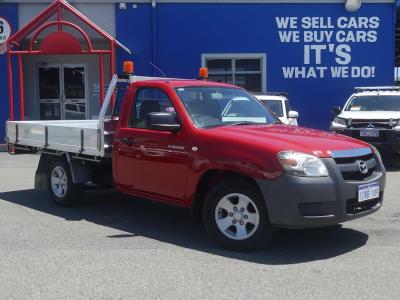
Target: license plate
[
  {"x": 368, "y": 192},
  {"x": 369, "y": 133}
]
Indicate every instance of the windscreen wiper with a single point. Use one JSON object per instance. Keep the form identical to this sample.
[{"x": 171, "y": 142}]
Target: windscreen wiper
[{"x": 244, "y": 123}]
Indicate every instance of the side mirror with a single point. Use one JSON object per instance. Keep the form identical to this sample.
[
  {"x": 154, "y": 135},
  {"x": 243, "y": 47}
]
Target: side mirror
[
  {"x": 336, "y": 110},
  {"x": 293, "y": 114},
  {"x": 162, "y": 121}
]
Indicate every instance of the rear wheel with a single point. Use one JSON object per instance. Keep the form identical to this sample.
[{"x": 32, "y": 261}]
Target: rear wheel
[
  {"x": 236, "y": 217},
  {"x": 60, "y": 185}
]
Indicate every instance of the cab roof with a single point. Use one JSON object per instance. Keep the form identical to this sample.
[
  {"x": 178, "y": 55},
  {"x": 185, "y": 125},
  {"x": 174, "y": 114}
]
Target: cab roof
[
  {"x": 377, "y": 93},
  {"x": 270, "y": 97},
  {"x": 177, "y": 83}
]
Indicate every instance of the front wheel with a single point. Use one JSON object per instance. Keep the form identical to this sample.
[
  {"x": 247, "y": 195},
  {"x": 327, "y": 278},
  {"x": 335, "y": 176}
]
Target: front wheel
[
  {"x": 236, "y": 217},
  {"x": 60, "y": 185}
]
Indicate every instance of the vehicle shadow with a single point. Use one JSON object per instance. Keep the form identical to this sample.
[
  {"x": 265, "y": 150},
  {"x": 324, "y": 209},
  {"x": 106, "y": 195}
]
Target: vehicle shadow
[
  {"x": 392, "y": 164},
  {"x": 392, "y": 170},
  {"x": 138, "y": 217}
]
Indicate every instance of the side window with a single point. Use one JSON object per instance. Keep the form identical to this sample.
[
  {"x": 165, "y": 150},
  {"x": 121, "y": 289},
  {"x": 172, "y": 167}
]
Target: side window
[{"x": 148, "y": 100}]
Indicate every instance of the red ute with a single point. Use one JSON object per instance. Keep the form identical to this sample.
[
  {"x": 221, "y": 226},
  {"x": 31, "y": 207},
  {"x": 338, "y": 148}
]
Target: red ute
[
  {"x": 213, "y": 148},
  {"x": 221, "y": 155}
]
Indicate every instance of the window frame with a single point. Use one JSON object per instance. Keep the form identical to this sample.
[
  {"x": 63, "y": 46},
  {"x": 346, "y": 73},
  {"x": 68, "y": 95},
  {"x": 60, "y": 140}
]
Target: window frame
[
  {"x": 251, "y": 96},
  {"x": 116, "y": 112},
  {"x": 237, "y": 56},
  {"x": 136, "y": 93}
]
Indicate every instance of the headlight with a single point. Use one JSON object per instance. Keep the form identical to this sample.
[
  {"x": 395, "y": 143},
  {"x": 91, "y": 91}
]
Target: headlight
[
  {"x": 340, "y": 121},
  {"x": 301, "y": 164}
]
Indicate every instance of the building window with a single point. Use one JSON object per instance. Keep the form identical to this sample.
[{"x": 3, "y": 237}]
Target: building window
[{"x": 245, "y": 70}]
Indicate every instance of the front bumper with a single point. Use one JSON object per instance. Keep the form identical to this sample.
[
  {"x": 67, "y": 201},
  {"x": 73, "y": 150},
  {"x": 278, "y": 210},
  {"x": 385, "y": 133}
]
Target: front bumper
[
  {"x": 303, "y": 202},
  {"x": 388, "y": 139}
]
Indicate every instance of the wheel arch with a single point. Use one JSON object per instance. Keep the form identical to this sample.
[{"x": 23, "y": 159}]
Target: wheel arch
[
  {"x": 80, "y": 173},
  {"x": 208, "y": 180}
]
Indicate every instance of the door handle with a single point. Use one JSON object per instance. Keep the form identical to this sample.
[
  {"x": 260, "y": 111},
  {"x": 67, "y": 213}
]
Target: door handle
[{"x": 128, "y": 141}]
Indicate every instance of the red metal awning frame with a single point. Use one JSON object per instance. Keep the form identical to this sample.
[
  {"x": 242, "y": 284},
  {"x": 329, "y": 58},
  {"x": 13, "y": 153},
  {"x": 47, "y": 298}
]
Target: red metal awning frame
[{"x": 58, "y": 42}]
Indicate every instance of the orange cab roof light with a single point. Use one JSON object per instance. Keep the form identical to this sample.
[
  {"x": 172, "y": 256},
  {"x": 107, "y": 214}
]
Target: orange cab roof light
[
  {"x": 128, "y": 67},
  {"x": 203, "y": 73}
]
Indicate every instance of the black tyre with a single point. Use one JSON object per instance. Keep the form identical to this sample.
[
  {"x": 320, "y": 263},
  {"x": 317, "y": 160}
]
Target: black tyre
[
  {"x": 235, "y": 216},
  {"x": 60, "y": 185}
]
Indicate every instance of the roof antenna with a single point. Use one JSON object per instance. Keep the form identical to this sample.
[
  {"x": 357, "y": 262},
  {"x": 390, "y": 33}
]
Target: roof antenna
[{"x": 158, "y": 69}]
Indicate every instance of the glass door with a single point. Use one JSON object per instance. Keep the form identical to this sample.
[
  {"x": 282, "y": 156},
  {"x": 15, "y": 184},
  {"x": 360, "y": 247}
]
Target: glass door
[
  {"x": 62, "y": 92},
  {"x": 74, "y": 95},
  {"x": 50, "y": 92}
]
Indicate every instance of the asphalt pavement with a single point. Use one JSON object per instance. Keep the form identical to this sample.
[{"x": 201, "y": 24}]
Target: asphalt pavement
[{"x": 115, "y": 247}]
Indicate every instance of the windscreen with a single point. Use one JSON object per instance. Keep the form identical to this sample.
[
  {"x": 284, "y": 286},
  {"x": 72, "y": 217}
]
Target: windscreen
[
  {"x": 374, "y": 103},
  {"x": 216, "y": 106}
]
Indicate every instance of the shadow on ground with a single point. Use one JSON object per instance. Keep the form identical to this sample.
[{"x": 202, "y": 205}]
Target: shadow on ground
[
  {"x": 137, "y": 217},
  {"x": 392, "y": 168},
  {"x": 391, "y": 162}
]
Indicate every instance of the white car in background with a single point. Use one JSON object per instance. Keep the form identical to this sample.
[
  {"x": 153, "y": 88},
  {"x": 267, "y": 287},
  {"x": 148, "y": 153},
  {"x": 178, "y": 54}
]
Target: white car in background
[
  {"x": 371, "y": 114},
  {"x": 279, "y": 104}
]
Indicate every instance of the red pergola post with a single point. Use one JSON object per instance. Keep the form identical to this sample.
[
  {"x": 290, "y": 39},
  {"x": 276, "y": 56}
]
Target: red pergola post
[
  {"x": 21, "y": 89},
  {"x": 10, "y": 83},
  {"x": 112, "y": 68},
  {"x": 101, "y": 78},
  {"x": 112, "y": 60}
]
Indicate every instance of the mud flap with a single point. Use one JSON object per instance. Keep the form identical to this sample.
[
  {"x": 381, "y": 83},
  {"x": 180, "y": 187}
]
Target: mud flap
[
  {"x": 40, "y": 181},
  {"x": 41, "y": 172},
  {"x": 79, "y": 171}
]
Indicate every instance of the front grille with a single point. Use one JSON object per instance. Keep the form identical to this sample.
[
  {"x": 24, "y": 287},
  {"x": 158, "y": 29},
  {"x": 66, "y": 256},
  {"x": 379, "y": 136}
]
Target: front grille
[
  {"x": 350, "y": 169},
  {"x": 375, "y": 123},
  {"x": 354, "y": 207},
  {"x": 350, "y": 160},
  {"x": 357, "y": 175}
]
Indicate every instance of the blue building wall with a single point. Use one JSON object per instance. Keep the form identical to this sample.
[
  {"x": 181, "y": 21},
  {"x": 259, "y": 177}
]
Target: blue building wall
[
  {"x": 174, "y": 36},
  {"x": 9, "y": 11}
]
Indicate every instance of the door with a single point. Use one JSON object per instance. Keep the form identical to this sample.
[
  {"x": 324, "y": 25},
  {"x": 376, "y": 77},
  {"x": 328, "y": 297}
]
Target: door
[
  {"x": 49, "y": 92},
  {"x": 152, "y": 162},
  {"x": 74, "y": 92},
  {"x": 62, "y": 92}
]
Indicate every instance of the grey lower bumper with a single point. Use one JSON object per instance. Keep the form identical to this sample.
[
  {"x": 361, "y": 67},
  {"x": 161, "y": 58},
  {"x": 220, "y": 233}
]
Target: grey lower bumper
[{"x": 301, "y": 202}]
